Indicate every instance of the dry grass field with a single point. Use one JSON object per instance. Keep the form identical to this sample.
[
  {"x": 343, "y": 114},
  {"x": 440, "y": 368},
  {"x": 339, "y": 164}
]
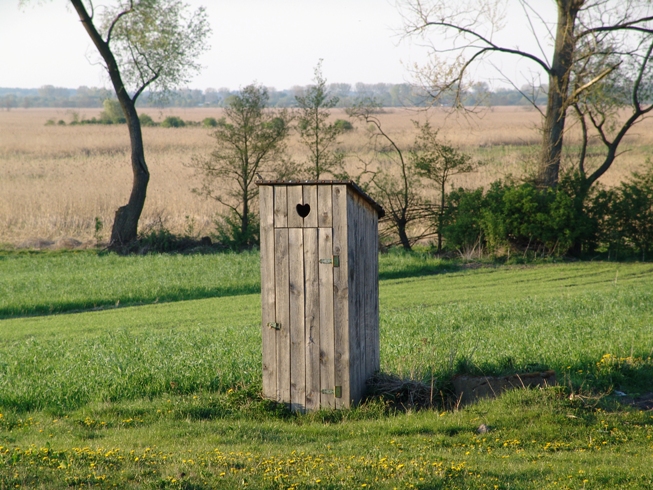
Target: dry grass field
[{"x": 56, "y": 180}]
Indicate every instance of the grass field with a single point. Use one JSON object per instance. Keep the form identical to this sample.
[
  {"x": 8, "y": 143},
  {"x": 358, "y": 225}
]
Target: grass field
[
  {"x": 56, "y": 180},
  {"x": 162, "y": 391}
]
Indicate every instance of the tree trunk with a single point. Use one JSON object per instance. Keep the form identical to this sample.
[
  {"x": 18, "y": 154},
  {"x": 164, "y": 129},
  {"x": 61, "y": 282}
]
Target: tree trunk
[
  {"x": 244, "y": 224},
  {"x": 557, "y": 100},
  {"x": 125, "y": 224},
  {"x": 403, "y": 236}
]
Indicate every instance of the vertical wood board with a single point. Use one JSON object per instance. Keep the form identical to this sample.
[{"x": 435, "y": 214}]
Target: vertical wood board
[
  {"x": 324, "y": 206},
  {"x": 282, "y": 289},
  {"x": 310, "y": 198},
  {"x": 268, "y": 297},
  {"x": 370, "y": 291},
  {"x": 356, "y": 349},
  {"x": 327, "y": 332},
  {"x": 295, "y": 197},
  {"x": 297, "y": 310},
  {"x": 340, "y": 295},
  {"x": 375, "y": 304},
  {"x": 312, "y": 318},
  {"x": 280, "y": 206}
]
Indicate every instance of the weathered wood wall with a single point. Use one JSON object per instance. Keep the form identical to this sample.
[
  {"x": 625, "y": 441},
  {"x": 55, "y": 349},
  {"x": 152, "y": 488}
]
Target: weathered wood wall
[{"x": 320, "y": 319}]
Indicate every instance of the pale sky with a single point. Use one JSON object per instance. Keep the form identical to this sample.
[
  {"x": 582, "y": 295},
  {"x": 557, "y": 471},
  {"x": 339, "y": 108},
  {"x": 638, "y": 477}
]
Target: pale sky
[{"x": 276, "y": 43}]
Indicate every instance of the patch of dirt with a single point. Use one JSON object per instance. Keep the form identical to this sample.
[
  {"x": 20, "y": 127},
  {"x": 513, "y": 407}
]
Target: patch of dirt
[{"x": 469, "y": 389}]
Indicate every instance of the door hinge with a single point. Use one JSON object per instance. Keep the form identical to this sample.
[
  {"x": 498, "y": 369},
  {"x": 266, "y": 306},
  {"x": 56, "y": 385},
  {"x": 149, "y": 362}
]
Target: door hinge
[
  {"x": 337, "y": 391},
  {"x": 274, "y": 325},
  {"x": 335, "y": 261}
]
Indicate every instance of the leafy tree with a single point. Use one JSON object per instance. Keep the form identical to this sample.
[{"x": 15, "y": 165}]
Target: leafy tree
[
  {"x": 439, "y": 162},
  {"x": 113, "y": 113},
  {"x": 249, "y": 141},
  {"x": 315, "y": 132},
  {"x": 143, "y": 44},
  {"x": 596, "y": 46}
]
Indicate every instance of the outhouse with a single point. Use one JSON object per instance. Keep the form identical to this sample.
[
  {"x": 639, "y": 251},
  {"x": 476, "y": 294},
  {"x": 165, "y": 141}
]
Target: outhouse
[{"x": 319, "y": 292}]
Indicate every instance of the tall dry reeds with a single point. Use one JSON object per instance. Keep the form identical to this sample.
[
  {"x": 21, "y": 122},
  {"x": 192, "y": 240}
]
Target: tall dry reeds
[{"x": 56, "y": 180}]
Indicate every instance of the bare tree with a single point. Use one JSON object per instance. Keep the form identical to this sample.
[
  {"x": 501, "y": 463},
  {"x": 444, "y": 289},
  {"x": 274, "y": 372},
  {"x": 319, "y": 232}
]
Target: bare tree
[
  {"x": 144, "y": 44},
  {"x": 439, "y": 162},
  {"x": 592, "y": 40},
  {"x": 398, "y": 194}
]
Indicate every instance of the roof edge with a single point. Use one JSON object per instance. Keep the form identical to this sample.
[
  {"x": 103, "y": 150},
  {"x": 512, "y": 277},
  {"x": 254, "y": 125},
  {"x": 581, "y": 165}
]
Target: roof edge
[{"x": 350, "y": 183}]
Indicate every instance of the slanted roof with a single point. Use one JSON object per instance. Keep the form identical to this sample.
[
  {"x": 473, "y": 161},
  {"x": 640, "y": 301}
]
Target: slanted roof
[{"x": 349, "y": 183}]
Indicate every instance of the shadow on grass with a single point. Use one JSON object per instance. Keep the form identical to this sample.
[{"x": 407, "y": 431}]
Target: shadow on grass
[
  {"x": 179, "y": 294},
  {"x": 419, "y": 270}
]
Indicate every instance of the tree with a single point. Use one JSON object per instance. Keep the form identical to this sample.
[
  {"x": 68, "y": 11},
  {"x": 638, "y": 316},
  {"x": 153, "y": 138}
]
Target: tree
[
  {"x": 399, "y": 195},
  {"x": 315, "y": 132},
  {"x": 249, "y": 141},
  {"x": 143, "y": 44},
  {"x": 438, "y": 162},
  {"x": 593, "y": 41}
]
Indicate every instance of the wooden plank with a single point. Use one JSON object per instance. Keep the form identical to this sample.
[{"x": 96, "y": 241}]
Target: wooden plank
[
  {"x": 280, "y": 206},
  {"x": 268, "y": 308},
  {"x": 369, "y": 291},
  {"x": 297, "y": 331},
  {"x": 324, "y": 206},
  {"x": 327, "y": 332},
  {"x": 356, "y": 347},
  {"x": 375, "y": 304},
  {"x": 312, "y": 318},
  {"x": 341, "y": 293},
  {"x": 310, "y": 198},
  {"x": 295, "y": 197},
  {"x": 282, "y": 292}
]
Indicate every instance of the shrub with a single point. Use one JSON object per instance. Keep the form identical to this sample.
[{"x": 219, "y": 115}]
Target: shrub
[
  {"x": 522, "y": 217},
  {"x": 625, "y": 216},
  {"x": 112, "y": 113},
  {"x": 209, "y": 122},
  {"x": 343, "y": 125},
  {"x": 146, "y": 120},
  {"x": 173, "y": 122},
  {"x": 230, "y": 234}
]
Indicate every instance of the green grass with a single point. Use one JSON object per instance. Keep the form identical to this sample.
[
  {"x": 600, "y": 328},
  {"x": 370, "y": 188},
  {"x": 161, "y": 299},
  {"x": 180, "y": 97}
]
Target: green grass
[
  {"x": 83, "y": 396},
  {"x": 57, "y": 282},
  {"x": 45, "y": 283}
]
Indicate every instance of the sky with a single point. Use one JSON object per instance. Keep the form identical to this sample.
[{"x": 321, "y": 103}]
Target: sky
[{"x": 276, "y": 43}]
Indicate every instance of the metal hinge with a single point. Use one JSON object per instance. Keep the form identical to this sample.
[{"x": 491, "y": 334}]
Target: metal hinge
[
  {"x": 275, "y": 325},
  {"x": 335, "y": 261},
  {"x": 337, "y": 391}
]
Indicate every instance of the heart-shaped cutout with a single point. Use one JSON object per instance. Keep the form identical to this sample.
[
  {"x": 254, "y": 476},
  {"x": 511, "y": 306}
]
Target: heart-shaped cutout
[{"x": 303, "y": 210}]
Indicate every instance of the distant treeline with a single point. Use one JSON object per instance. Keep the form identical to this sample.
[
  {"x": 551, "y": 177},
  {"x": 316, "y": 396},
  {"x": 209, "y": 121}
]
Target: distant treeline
[{"x": 387, "y": 94}]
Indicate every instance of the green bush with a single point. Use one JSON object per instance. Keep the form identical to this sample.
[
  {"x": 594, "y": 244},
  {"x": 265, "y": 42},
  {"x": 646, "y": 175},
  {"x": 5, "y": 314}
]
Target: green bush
[
  {"x": 209, "y": 122},
  {"x": 343, "y": 125},
  {"x": 521, "y": 217},
  {"x": 229, "y": 231},
  {"x": 112, "y": 113},
  {"x": 625, "y": 214},
  {"x": 173, "y": 122},
  {"x": 146, "y": 120}
]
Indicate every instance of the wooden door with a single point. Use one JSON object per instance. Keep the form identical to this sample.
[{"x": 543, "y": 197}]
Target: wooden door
[
  {"x": 299, "y": 346},
  {"x": 304, "y": 298}
]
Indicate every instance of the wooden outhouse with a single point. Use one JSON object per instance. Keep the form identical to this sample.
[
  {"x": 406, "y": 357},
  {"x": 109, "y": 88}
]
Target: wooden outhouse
[{"x": 319, "y": 292}]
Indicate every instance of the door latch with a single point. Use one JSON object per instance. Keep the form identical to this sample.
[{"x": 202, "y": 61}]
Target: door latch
[{"x": 274, "y": 325}]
